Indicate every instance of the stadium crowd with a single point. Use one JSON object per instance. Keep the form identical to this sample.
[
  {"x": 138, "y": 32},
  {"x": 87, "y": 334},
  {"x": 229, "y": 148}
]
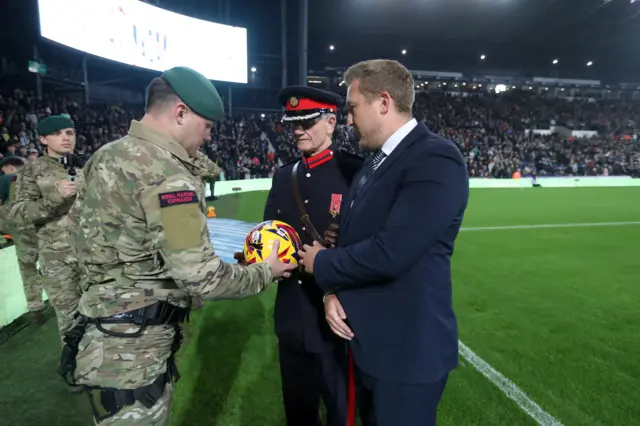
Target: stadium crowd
[{"x": 489, "y": 129}]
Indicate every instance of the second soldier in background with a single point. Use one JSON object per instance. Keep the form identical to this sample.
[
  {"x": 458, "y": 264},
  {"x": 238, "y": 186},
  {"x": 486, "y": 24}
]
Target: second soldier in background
[
  {"x": 312, "y": 358},
  {"x": 44, "y": 195},
  {"x": 24, "y": 238}
]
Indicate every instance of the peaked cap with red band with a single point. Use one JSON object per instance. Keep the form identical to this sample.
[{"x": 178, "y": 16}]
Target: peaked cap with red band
[{"x": 306, "y": 103}]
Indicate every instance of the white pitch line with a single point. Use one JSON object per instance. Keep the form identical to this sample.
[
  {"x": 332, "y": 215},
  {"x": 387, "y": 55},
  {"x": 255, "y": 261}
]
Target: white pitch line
[
  {"x": 228, "y": 244},
  {"x": 555, "y": 225},
  {"x": 507, "y": 387}
]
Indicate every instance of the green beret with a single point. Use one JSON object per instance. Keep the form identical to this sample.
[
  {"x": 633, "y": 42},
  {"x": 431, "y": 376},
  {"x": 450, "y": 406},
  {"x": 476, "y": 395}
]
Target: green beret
[
  {"x": 12, "y": 160},
  {"x": 53, "y": 124},
  {"x": 196, "y": 91}
]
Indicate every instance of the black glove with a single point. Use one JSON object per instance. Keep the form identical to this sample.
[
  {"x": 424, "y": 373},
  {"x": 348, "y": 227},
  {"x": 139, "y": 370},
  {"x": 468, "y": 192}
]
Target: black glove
[
  {"x": 331, "y": 235},
  {"x": 239, "y": 256}
]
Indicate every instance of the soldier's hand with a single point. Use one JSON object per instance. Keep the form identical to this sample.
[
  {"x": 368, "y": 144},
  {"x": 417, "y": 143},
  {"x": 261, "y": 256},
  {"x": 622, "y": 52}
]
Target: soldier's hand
[
  {"x": 239, "y": 256},
  {"x": 67, "y": 189},
  {"x": 331, "y": 234},
  {"x": 278, "y": 268}
]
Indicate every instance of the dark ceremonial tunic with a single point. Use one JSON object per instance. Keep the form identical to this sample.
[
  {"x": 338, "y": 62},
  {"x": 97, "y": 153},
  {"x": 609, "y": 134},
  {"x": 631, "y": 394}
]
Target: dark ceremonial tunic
[{"x": 312, "y": 358}]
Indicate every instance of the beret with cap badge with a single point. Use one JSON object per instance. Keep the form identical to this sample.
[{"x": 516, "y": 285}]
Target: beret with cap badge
[
  {"x": 196, "y": 91},
  {"x": 54, "y": 123}
]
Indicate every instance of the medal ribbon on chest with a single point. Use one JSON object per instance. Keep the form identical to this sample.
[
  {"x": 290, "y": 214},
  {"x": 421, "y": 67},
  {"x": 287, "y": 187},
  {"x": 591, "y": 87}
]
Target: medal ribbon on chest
[{"x": 336, "y": 202}]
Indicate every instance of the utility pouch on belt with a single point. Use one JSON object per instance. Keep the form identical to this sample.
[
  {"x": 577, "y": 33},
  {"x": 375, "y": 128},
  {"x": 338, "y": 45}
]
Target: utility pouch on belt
[
  {"x": 107, "y": 402},
  {"x": 304, "y": 217}
]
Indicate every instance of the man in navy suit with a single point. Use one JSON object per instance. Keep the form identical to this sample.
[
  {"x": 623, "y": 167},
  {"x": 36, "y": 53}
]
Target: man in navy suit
[{"x": 390, "y": 275}]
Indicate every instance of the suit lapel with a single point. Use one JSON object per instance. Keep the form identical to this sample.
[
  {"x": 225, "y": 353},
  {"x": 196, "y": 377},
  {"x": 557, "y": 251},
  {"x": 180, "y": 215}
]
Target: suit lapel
[
  {"x": 419, "y": 131},
  {"x": 352, "y": 190}
]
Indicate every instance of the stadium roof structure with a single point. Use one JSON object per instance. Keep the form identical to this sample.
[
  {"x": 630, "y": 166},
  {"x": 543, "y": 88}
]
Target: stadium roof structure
[
  {"x": 597, "y": 41},
  {"x": 456, "y": 83},
  {"x": 516, "y": 36}
]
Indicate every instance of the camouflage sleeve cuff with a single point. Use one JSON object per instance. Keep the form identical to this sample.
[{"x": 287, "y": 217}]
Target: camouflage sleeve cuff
[
  {"x": 258, "y": 274},
  {"x": 54, "y": 198},
  {"x": 265, "y": 271},
  {"x": 30, "y": 212}
]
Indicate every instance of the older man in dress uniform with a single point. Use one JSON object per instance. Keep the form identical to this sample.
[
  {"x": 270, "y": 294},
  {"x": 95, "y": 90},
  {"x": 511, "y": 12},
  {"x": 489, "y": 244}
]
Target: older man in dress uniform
[{"x": 307, "y": 194}]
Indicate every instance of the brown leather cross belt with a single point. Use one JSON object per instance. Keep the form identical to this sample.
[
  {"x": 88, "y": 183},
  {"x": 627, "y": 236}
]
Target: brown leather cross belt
[{"x": 304, "y": 217}]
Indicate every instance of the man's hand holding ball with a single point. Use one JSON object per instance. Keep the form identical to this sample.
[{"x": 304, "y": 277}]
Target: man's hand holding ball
[{"x": 308, "y": 255}]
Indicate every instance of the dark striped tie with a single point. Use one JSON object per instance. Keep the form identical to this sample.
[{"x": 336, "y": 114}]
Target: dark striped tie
[{"x": 375, "y": 162}]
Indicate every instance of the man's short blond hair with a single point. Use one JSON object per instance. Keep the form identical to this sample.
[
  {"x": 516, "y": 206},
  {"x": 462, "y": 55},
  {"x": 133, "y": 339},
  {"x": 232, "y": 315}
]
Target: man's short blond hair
[{"x": 384, "y": 75}]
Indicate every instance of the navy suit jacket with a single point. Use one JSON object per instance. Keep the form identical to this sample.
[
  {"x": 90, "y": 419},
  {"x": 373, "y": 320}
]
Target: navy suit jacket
[{"x": 392, "y": 268}]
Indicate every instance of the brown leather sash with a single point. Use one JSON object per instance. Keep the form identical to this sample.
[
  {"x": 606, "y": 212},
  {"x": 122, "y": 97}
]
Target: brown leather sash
[{"x": 304, "y": 217}]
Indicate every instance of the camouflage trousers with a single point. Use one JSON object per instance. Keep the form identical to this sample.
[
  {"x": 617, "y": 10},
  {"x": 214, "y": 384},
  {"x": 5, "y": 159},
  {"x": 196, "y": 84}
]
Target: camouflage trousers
[
  {"x": 138, "y": 414},
  {"x": 127, "y": 363},
  {"x": 61, "y": 281},
  {"x": 27, "y": 253}
]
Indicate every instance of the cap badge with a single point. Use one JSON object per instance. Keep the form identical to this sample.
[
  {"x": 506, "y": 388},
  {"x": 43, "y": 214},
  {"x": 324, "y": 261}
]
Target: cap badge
[{"x": 293, "y": 101}]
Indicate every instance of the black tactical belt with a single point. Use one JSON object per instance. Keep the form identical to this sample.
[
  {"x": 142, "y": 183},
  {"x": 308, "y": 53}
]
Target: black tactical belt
[
  {"x": 106, "y": 402},
  {"x": 160, "y": 313}
]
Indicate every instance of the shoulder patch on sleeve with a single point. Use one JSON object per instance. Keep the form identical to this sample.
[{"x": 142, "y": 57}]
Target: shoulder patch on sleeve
[
  {"x": 168, "y": 199},
  {"x": 184, "y": 226}
]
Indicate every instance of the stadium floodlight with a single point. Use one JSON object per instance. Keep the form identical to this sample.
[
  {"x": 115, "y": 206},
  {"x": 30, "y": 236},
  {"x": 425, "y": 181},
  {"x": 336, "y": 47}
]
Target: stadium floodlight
[
  {"x": 332, "y": 47},
  {"x": 555, "y": 62},
  {"x": 589, "y": 63},
  {"x": 404, "y": 51},
  {"x": 254, "y": 69}
]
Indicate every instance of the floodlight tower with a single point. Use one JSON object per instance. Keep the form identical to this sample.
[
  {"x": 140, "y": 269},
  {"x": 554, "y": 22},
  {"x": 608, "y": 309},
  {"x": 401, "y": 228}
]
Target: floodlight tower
[{"x": 304, "y": 29}]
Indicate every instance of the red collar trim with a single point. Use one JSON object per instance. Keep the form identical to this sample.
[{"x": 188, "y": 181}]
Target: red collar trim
[{"x": 318, "y": 159}]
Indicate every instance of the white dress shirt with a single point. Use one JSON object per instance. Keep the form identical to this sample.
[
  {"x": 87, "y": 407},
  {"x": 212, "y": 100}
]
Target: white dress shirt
[
  {"x": 388, "y": 148},
  {"x": 397, "y": 137}
]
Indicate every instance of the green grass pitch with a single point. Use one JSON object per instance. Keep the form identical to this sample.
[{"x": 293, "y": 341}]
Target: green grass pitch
[{"x": 554, "y": 309}]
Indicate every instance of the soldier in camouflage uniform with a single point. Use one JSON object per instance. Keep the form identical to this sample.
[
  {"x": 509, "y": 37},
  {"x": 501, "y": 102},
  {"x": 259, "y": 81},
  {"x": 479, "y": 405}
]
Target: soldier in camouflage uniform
[
  {"x": 44, "y": 195},
  {"x": 5, "y": 182},
  {"x": 24, "y": 238},
  {"x": 210, "y": 172},
  {"x": 143, "y": 247}
]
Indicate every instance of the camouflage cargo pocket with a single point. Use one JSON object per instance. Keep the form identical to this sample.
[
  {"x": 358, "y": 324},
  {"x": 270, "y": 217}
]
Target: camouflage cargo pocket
[
  {"x": 131, "y": 362},
  {"x": 90, "y": 357}
]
